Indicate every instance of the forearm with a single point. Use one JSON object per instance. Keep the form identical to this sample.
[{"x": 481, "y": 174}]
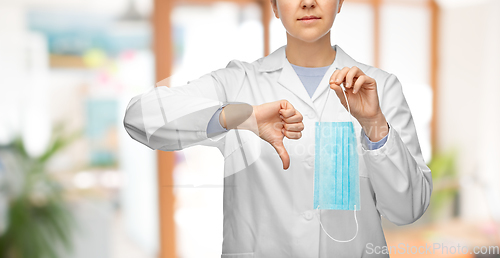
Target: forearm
[
  {"x": 376, "y": 128},
  {"x": 238, "y": 116}
]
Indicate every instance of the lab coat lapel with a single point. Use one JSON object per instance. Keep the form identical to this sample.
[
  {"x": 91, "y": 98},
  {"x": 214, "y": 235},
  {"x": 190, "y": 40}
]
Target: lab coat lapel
[
  {"x": 290, "y": 80},
  {"x": 325, "y": 82},
  {"x": 320, "y": 96}
]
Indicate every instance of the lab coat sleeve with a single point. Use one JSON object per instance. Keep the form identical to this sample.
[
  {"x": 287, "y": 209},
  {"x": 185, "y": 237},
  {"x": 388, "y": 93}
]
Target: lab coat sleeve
[
  {"x": 400, "y": 178},
  {"x": 174, "y": 118},
  {"x": 369, "y": 145},
  {"x": 214, "y": 127}
]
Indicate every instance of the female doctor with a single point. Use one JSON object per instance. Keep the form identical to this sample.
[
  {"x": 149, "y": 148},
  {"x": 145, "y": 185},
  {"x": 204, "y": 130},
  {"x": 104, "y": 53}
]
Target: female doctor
[{"x": 262, "y": 115}]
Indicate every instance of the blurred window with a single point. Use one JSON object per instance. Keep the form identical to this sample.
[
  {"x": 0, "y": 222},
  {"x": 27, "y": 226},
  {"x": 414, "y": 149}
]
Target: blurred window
[
  {"x": 207, "y": 38},
  {"x": 405, "y": 51}
]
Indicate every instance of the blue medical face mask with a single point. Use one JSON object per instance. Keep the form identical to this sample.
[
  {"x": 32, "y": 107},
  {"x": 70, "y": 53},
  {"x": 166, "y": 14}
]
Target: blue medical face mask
[
  {"x": 336, "y": 178},
  {"x": 336, "y": 171}
]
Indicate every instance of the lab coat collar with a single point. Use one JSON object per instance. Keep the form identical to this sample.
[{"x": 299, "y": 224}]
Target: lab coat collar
[
  {"x": 290, "y": 80},
  {"x": 277, "y": 59},
  {"x": 273, "y": 61}
]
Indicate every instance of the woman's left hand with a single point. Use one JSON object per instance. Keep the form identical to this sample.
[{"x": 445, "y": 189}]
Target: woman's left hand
[{"x": 361, "y": 92}]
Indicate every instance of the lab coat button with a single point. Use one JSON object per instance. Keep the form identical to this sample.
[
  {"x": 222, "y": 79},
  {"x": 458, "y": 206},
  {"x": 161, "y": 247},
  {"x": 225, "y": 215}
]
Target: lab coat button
[{"x": 308, "y": 215}]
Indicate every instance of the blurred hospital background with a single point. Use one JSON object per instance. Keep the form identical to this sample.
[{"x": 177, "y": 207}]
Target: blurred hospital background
[{"x": 73, "y": 184}]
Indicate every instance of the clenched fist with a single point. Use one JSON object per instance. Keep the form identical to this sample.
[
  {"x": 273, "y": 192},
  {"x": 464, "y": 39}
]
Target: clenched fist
[
  {"x": 270, "y": 121},
  {"x": 278, "y": 119}
]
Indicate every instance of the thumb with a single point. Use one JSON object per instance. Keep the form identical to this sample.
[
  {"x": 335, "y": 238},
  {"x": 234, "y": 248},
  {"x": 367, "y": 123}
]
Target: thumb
[{"x": 280, "y": 149}]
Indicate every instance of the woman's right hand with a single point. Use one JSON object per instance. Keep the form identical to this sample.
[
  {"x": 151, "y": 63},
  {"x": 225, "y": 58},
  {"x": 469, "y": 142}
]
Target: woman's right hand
[{"x": 275, "y": 120}]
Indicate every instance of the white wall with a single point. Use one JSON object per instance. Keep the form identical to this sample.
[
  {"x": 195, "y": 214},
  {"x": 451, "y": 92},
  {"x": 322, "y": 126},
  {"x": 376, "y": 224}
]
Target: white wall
[{"x": 469, "y": 88}]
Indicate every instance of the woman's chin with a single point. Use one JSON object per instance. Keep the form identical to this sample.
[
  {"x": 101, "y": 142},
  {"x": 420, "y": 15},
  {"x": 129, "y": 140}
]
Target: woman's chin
[{"x": 310, "y": 38}]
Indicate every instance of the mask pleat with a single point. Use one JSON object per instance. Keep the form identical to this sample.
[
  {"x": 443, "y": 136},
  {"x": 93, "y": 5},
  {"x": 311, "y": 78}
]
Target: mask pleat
[
  {"x": 345, "y": 166},
  {"x": 331, "y": 184},
  {"x": 336, "y": 180}
]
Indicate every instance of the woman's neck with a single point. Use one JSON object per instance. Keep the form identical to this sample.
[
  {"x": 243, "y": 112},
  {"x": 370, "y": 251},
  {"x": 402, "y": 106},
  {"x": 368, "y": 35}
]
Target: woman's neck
[{"x": 310, "y": 54}]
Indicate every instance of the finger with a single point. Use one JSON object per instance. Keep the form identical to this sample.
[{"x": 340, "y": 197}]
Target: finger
[
  {"x": 349, "y": 79},
  {"x": 359, "y": 83},
  {"x": 280, "y": 149},
  {"x": 287, "y": 113},
  {"x": 341, "y": 75},
  {"x": 292, "y": 135},
  {"x": 340, "y": 94},
  {"x": 287, "y": 109},
  {"x": 295, "y": 127},
  {"x": 334, "y": 75},
  {"x": 293, "y": 119}
]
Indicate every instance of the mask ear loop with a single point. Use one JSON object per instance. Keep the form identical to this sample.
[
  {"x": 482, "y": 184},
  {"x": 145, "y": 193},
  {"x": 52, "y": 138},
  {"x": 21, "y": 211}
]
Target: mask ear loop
[
  {"x": 355, "y": 218},
  {"x": 341, "y": 241}
]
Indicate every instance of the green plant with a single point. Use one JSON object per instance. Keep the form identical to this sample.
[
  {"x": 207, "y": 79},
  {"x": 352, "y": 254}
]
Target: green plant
[
  {"x": 445, "y": 181},
  {"x": 40, "y": 221}
]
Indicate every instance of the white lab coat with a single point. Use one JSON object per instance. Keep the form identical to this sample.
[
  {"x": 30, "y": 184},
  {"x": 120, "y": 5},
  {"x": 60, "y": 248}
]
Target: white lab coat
[{"x": 268, "y": 211}]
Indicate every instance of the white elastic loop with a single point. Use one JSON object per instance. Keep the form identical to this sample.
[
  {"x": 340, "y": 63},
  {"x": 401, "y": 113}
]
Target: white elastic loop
[
  {"x": 326, "y": 102},
  {"x": 355, "y": 218},
  {"x": 341, "y": 241},
  {"x": 347, "y": 101}
]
